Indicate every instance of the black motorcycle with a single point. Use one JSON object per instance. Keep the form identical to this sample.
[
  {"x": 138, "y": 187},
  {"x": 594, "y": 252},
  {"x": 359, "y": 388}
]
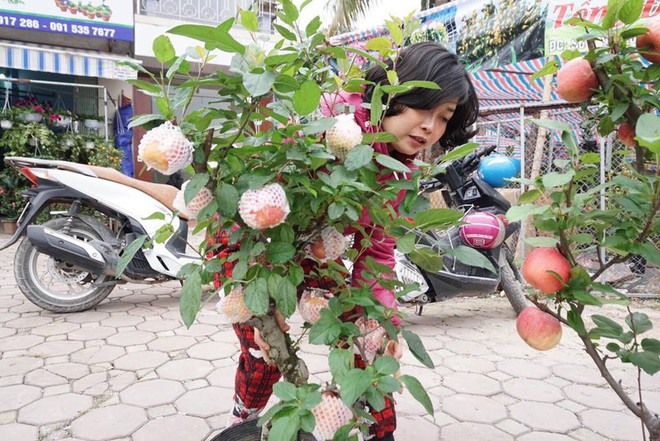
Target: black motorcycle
[{"x": 463, "y": 191}]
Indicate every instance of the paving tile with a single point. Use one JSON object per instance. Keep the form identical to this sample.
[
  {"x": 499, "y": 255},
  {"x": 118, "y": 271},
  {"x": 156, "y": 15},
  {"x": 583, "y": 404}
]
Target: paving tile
[
  {"x": 87, "y": 317},
  {"x": 474, "y": 408},
  {"x": 205, "y": 402},
  {"x": 19, "y": 365},
  {"x": 131, "y": 338},
  {"x": 411, "y": 428},
  {"x": 187, "y": 369},
  {"x": 118, "y": 321},
  {"x": 545, "y": 436},
  {"x": 108, "y": 423},
  {"x": 54, "y": 409},
  {"x": 18, "y": 432},
  {"x": 141, "y": 360},
  {"x": 524, "y": 369},
  {"x": 161, "y": 411},
  {"x": 28, "y": 322},
  {"x": 43, "y": 378},
  {"x": 152, "y": 393},
  {"x": 468, "y": 363},
  {"x": 6, "y": 332},
  {"x": 532, "y": 390},
  {"x": 512, "y": 426},
  {"x": 72, "y": 371},
  {"x": 21, "y": 342},
  {"x": 54, "y": 329},
  {"x": 55, "y": 348},
  {"x": 593, "y": 396},
  {"x": 473, "y": 432},
  {"x": 460, "y": 347},
  {"x": 471, "y": 384},
  {"x": 544, "y": 416},
  {"x": 578, "y": 374},
  {"x": 623, "y": 426},
  {"x": 159, "y": 325},
  {"x": 17, "y": 396},
  {"x": 171, "y": 427},
  {"x": 92, "y": 333},
  {"x": 198, "y": 330},
  {"x": 99, "y": 354},
  {"x": 170, "y": 344},
  {"x": 211, "y": 351}
]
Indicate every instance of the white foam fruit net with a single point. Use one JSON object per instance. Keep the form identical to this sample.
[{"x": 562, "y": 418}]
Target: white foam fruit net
[
  {"x": 165, "y": 149},
  {"x": 232, "y": 306},
  {"x": 372, "y": 337},
  {"x": 329, "y": 246},
  {"x": 312, "y": 302},
  {"x": 193, "y": 207},
  {"x": 264, "y": 207},
  {"x": 330, "y": 414},
  {"x": 343, "y": 136}
]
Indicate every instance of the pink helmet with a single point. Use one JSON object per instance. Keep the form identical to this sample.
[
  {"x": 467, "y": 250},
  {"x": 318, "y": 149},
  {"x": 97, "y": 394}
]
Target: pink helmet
[{"x": 482, "y": 230}]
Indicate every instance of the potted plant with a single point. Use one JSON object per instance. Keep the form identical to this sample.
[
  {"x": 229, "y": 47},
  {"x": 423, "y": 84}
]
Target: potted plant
[
  {"x": 68, "y": 140},
  {"x": 92, "y": 141},
  {"x": 61, "y": 118},
  {"x": 106, "y": 155},
  {"x": 104, "y": 12},
  {"x": 74, "y": 7},
  {"x": 17, "y": 139},
  {"x": 62, "y": 4},
  {"x": 31, "y": 114},
  {"x": 7, "y": 118},
  {"x": 93, "y": 122},
  {"x": 11, "y": 200}
]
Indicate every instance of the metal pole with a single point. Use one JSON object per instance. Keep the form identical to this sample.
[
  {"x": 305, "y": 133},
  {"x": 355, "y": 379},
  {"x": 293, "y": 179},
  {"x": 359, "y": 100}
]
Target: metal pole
[
  {"x": 603, "y": 255},
  {"x": 52, "y": 83},
  {"x": 523, "y": 222},
  {"x": 105, "y": 111},
  {"x": 497, "y": 136}
]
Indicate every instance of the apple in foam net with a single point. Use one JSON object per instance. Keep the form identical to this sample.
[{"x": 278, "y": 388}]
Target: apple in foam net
[
  {"x": 538, "y": 329},
  {"x": 538, "y": 266},
  {"x": 575, "y": 81},
  {"x": 626, "y": 134},
  {"x": 649, "y": 43}
]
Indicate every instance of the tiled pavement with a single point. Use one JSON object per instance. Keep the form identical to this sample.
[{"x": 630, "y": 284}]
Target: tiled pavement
[{"x": 130, "y": 371}]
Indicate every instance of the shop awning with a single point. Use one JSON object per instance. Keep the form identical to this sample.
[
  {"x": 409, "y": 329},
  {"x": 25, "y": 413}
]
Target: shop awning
[{"x": 65, "y": 61}]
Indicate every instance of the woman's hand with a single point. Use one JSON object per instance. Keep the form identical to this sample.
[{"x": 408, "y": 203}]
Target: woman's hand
[{"x": 264, "y": 347}]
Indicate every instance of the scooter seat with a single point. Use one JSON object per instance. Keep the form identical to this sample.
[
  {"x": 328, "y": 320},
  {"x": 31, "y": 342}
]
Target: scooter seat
[{"x": 163, "y": 193}]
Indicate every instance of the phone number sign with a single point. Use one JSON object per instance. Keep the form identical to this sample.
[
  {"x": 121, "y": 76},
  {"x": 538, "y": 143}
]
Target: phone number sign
[{"x": 108, "y": 20}]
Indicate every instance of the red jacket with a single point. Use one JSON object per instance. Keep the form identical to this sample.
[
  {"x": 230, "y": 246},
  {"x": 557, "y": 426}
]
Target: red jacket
[{"x": 382, "y": 248}]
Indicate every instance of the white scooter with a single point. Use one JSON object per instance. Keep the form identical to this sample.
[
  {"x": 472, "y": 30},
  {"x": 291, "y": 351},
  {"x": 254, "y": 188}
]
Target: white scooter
[{"x": 68, "y": 264}]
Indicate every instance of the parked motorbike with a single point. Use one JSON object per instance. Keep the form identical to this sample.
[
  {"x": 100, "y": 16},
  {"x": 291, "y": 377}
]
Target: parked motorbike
[
  {"x": 68, "y": 264},
  {"x": 464, "y": 191}
]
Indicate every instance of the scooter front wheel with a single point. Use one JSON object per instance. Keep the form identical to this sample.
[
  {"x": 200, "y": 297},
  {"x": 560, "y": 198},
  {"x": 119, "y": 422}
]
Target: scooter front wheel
[
  {"x": 512, "y": 283},
  {"x": 55, "y": 285}
]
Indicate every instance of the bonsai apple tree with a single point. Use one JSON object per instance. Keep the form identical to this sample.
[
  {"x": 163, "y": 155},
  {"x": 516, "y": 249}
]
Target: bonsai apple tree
[
  {"x": 282, "y": 183},
  {"x": 618, "y": 89}
]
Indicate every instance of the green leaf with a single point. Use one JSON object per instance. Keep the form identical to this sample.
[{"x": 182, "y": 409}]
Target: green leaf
[
  {"x": 151, "y": 88},
  {"x": 552, "y": 124},
  {"x": 285, "y": 390},
  {"x": 369, "y": 138},
  {"x": 395, "y": 31},
  {"x": 353, "y": 385},
  {"x": 335, "y": 211},
  {"x": 553, "y": 179},
  {"x": 406, "y": 244},
  {"x": 619, "y": 110},
  {"x": 392, "y": 77},
  {"x": 648, "y": 251},
  {"x": 155, "y": 216},
  {"x": 437, "y": 218},
  {"x": 392, "y": 164},
  {"x": 128, "y": 253},
  {"x": 460, "y": 151},
  {"x": 326, "y": 330},
  {"x": 378, "y": 44},
  {"x": 631, "y": 11},
  {"x": 520, "y": 212},
  {"x": 163, "y": 49},
  {"x": 286, "y": 299},
  {"x": 639, "y": 322},
  {"x": 470, "y": 256},
  {"x": 426, "y": 259},
  {"x": 306, "y": 99},
  {"x": 649, "y": 362},
  {"x": 530, "y": 196},
  {"x": 284, "y": 32},
  {"x": 227, "y": 197},
  {"x": 216, "y": 37},
  {"x": 290, "y": 10},
  {"x": 647, "y": 132},
  {"x": 137, "y": 121},
  {"x": 417, "y": 348},
  {"x": 258, "y": 84},
  {"x": 386, "y": 365},
  {"x": 284, "y": 428},
  {"x": 256, "y": 297},
  {"x": 191, "y": 298},
  {"x": 612, "y": 15},
  {"x": 280, "y": 252},
  {"x": 376, "y": 106},
  {"x": 431, "y": 85},
  {"x": 606, "y": 323},
  {"x": 418, "y": 392},
  {"x": 313, "y": 26},
  {"x": 544, "y": 242},
  {"x": 358, "y": 157},
  {"x": 194, "y": 185},
  {"x": 375, "y": 399},
  {"x": 249, "y": 20},
  {"x": 340, "y": 362},
  {"x": 389, "y": 384},
  {"x": 549, "y": 68},
  {"x": 651, "y": 345},
  {"x": 318, "y": 126}
]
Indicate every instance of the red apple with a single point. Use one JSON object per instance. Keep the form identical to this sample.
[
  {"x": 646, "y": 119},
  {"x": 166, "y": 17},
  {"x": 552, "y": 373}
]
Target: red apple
[
  {"x": 575, "y": 81},
  {"x": 627, "y": 134},
  {"x": 539, "y": 329},
  {"x": 650, "y": 42},
  {"x": 318, "y": 249},
  {"x": 537, "y": 266}
]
